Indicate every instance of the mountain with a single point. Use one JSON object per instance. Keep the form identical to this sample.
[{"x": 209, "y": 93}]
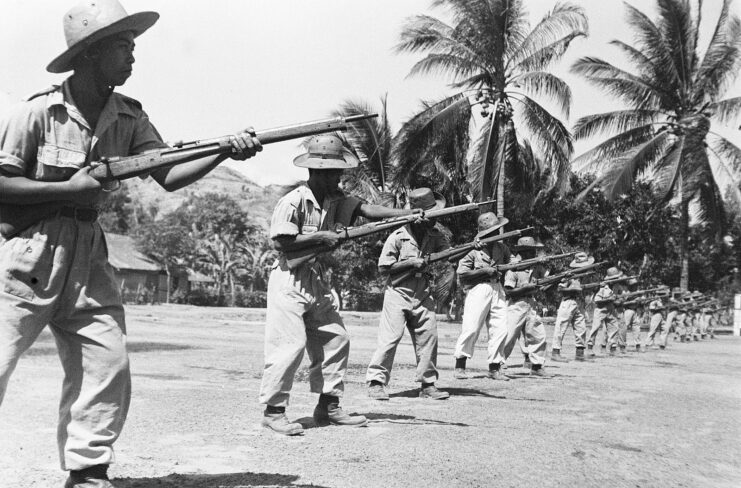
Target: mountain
[{"x": 256, "y": 200}]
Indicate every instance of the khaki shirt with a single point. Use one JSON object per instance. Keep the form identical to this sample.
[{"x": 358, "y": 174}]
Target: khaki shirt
[
  {"x": 497, "y": 253},
  {"x": 299, "y": 212},
  {"x": 400, "y": 246},
  {"x": 46, "y": 138}
]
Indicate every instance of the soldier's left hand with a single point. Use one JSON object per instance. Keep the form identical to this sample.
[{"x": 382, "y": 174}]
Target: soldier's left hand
[{"x": 245, "y": 144}]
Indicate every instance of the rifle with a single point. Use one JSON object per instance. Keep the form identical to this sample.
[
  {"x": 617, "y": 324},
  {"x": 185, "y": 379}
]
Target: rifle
[
  {"x": 548, "y": 281},
  {"x": 296, "y": 257},
  {"x": 15, "y": 218},
  {"x": 576, "y": 273},
  {"x": 638, "y": 293},
  {"x": 526, "y": 263},
  {"x": 456, "y": 252},
  {"x": 598, "y": 284}
]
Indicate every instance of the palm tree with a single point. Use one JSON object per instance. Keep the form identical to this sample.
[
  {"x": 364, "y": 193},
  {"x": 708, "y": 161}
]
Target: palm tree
[
  {"x": 498, "y": 63},
  {"x": 672, "y": 97}
]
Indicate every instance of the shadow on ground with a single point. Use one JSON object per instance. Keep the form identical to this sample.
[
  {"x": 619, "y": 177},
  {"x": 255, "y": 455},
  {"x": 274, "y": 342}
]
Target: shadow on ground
[
  {"x": 227, "y": 480},
  {"x": 131, "y": 347}
]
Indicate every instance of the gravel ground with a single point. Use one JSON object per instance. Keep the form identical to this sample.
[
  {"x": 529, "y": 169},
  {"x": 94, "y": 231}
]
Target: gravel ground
[{"x": 669, "y": 418}]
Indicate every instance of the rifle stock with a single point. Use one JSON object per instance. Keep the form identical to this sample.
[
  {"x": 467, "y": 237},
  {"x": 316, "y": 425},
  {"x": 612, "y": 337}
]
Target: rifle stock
[
  {"x": 530, "y": 262},
  {"x": 15, "y": 218}
]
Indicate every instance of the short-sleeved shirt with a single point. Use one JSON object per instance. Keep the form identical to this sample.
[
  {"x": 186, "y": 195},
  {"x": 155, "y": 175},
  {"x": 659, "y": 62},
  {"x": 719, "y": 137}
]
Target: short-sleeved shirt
[
  {"x": 604, "y": 295},
  {"x": 401, "y": 245},
  {"x": 517, "y": 279},
  {"x": 46, "y": 138},
  {"x": 497, "y": 253},
  {"x": 299, "y": 212},
  {"x": 656, "y": 305},
  {"x": 570, "y": 287}
]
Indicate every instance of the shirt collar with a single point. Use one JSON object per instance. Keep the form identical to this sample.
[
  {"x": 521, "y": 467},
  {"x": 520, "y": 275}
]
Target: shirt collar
[{"x": 114, "y": 105}]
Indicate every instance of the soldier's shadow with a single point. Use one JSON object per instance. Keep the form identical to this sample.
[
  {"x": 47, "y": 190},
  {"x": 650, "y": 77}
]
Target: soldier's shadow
[
  {"x": 393, "y": 418},
  {"x": 414, "y": 393},
  {"x": 226, "y": 480}
]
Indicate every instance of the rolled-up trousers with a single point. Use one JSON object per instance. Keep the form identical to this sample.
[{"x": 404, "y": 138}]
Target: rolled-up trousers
[{"x": 485, "y": 305}]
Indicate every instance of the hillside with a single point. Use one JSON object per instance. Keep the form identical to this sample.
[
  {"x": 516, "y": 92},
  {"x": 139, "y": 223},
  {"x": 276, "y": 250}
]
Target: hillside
[{"x": 256, "y": 200}]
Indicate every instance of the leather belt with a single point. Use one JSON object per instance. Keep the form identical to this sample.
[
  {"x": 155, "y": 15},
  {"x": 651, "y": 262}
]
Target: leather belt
[{"x": 80, "y": 214}]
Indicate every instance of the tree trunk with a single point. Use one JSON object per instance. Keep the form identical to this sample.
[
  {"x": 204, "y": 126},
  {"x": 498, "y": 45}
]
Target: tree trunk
[
  {"x": 167, "y": 272},
  {"x": 684, "y": 251}
]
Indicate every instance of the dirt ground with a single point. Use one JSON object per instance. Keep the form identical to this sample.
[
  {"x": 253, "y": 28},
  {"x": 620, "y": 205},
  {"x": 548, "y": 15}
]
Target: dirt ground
[{"x": 668, "y": 418}]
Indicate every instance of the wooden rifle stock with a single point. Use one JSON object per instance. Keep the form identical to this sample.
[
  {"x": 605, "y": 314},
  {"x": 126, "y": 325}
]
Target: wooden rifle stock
[
  {"x": 15, "y": 218},
  {"x": 526, "y": 263}
]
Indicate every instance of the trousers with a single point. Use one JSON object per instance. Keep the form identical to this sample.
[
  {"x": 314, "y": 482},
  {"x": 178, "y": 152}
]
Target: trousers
[
  {"x": 486, "y": 304},
  {"x": 521, "y": 317},
  {"x": 417, "y": 314},
  {"x": 56, "y": 273},
  {"x": 302, "y": 316},
  {"x": 604, "y": 314},
  {"x": 571, "y": 313}
]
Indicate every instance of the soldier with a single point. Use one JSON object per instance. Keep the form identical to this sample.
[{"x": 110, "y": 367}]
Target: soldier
[
  {"x": 301, "y": 309},
  {"x": 680, "y": 318},
  {"x": 628, "y": 320},
  {"x": 696, "y": 319},
  {"x": 485, "y": 302},
  {"x": 604, "y": 311},
  {"x": 571, "y": 312},
  {"x": 56, "y": 271},
  {"x": 521, "y": 314},
  {"x": 408, "y": 301},
  {"x": 657, "y": 324}
]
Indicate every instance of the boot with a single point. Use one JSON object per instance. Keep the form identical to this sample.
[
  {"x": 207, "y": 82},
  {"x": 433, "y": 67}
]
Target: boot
[
  {"x": 556, "y": 356},
  {"x": 460, "y": 369},
  {"x": 495, "y": 372},
  {"x": 622, "y": 351},
  {"x": 329, "y": 412},
  {"x": 613, "y": 351},
  {"x": 590, "y": 352},
  {"x": 580, "y": 355},
  {"x": 662, "y": 347},
  {"x": 279, "y": 423},
  {"x": 92, "y": 477},
  {"x": 429, "y": 390},
  {"x": 538, "y": 371},
  {"x": 377, "y": 391}
]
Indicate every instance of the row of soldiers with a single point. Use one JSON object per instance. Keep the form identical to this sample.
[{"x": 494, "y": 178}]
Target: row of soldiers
[{"x": 502, "y": 287}]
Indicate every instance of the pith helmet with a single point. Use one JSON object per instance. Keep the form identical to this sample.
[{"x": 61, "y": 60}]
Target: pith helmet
[
  {"x": 92, "y": 20},
  {"x": 425, "y": 199},
  {"x": 489, "y": 222},
  {"x": 632, "y": 281},
  {"x": 697, "y": 294},
  {"x": 580, "y": 260},
  {"x": 326, "y": 152},
  {"x": 527, "y": 242},
  {"x": 664, "y": 292},
  {"x": 613, "y": 273}
]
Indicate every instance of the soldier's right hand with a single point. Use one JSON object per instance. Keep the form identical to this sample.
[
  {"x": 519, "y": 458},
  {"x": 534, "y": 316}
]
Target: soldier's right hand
[
  {"x": 492, "y": 271},
  {"x": 418, "y": 263},
  {"x": 83, "y": 188},
  {"x": 327, "y": 238}
]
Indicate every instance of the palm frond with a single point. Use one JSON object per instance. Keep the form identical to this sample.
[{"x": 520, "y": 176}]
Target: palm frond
[
  {"x": 722, "y": 60},
  {"x": 726, "y": 111},
  {"x": 676, "y": 27},
  {"x": 565, "y": 21},
  {"x": 424, "y": 33},
  {"x": 629, "y": 166},
  {"x": 647, "y": 71},
  {"x": 633, "y": 90},
  {"x": 542, "y": 83},
  {"x": 542, "y": 58},
  {"x": 592, "y": 160},
  {"x": 612, "y": 122},
  {"x": 551, "y": 135},
  {"x": 456, "y": 66},
  {"x": 728, "y": 153},
  {"x": 438, "y": 131},
  {"x": 652, "y": 43},
  {"x": 668, "y": 170}
]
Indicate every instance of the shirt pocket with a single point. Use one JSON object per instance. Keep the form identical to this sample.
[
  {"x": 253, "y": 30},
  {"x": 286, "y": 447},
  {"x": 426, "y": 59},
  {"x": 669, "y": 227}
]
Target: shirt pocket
[
  {"x": 408, "y": 251},
  {"x": 57, "y": 158},
  {"x": 28, "y": 266}
]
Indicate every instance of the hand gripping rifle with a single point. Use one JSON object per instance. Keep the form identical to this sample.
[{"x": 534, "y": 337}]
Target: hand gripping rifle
[
  {"x": 457, "y": 252},
  {"x": 299, "y": 256},
  {"x": 634, "y": 297},
  {"x": 15, "y": 218}
]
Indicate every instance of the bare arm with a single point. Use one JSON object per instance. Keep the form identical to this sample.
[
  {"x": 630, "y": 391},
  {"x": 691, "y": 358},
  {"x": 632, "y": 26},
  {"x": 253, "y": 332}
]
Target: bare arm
[
  {"x": 378, "y": 212},
  {"x": 81, "y": 189},
  {"x": 325, "y": 238},
  {"x": 244, "y": 146}
]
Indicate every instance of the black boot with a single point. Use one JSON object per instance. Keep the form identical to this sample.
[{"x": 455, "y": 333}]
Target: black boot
[
  {"x": 556, "y": 356},
  {"x": 460, "y": 369},
  {"x": 92, "y": 477}
]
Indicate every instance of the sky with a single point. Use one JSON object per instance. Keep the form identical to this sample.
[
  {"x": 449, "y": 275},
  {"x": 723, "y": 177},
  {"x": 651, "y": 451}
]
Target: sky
[{"x": 210, "y": 68}]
